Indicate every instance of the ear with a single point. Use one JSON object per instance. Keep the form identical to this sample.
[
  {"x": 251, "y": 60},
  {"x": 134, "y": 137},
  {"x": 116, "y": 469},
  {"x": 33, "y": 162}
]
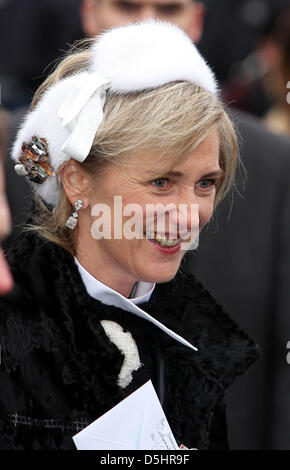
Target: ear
[
  {"x": 198, "y": 14},
  {"x": 76, "y": 182},
  {"x": 89, "y": 17}
]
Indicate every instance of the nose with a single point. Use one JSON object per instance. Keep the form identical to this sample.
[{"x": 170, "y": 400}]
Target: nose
[
  {"x": 147, "y": 13},
  {"x": 184, "y": 219}
]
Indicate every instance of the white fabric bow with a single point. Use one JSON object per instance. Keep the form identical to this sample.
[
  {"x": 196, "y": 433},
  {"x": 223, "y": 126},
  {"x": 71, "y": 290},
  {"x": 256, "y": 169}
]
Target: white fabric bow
[{"x": 82, "y": 113}]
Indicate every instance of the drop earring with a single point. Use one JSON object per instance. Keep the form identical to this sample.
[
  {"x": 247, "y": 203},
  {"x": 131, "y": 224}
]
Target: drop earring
[{"x": 73, "y": 219}]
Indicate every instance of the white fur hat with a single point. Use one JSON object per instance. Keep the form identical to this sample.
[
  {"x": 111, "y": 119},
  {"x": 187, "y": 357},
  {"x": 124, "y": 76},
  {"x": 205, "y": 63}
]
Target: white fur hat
[{"x": 127, "y": 58}]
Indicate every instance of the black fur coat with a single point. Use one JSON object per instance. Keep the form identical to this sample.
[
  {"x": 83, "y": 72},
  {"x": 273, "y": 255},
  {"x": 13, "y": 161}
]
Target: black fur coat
[{"x": 59, "y": 370}]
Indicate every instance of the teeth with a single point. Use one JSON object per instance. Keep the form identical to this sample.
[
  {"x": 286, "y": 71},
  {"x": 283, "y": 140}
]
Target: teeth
[
  {"x": 149, "y": 235},
  {"x": 163, "y": 241}
]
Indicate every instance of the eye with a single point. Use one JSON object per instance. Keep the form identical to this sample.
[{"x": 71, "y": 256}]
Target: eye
[
  {"x": 160, "y": 183},
  {"x": 127, "y": 6},
  {"x": 170, "y": 9},
  {"x": 206, "y": 184}
]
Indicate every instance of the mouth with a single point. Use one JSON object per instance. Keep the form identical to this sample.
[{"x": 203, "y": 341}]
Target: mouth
[
  {"x": 163, "y": 241},
  {"x": 165, "y": 244}
]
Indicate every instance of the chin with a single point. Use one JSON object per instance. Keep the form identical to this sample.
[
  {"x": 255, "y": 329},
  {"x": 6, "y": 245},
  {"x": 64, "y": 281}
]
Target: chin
[{"x": 160, "y": 275}]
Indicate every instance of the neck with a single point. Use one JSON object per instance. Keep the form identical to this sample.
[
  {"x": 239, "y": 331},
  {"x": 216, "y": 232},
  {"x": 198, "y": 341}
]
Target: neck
[
  {"x": 102, "y": 268},
  {"x": 107, "y": 277}
]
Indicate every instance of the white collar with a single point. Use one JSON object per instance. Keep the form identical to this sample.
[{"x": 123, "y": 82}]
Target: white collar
[
  {"x": 108, "y": 296},
  {"x": 96, "y": 289}
]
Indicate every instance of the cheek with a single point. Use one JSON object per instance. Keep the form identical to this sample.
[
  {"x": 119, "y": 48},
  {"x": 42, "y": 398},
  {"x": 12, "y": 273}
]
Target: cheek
[
  {"x": 184, "y": 21},
  {"x": 206, "y": 207}
]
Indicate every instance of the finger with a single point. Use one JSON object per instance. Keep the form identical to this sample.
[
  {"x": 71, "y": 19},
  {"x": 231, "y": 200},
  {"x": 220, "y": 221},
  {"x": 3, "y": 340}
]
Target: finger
[{"x": 6, "y": 280}]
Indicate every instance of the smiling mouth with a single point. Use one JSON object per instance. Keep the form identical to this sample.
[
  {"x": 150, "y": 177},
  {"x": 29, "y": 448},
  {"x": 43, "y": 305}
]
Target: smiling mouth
[{"x": 165, "y": 242}]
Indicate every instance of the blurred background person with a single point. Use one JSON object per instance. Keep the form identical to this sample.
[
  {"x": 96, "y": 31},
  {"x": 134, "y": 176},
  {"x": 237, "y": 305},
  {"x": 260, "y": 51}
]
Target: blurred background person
[
  {"x": 99, "y": 15},
  {"x": 254, "y": 67},
  {"x": 246, "y": 264},
  {"x": 6, "y": 281},
  {"x": 276, "y": 49},
  {"x": 33, "y": 34}
]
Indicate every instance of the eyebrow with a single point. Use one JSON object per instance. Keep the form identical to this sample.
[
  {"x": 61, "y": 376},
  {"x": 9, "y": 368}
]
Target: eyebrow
[{"x": 213, "y": 174}]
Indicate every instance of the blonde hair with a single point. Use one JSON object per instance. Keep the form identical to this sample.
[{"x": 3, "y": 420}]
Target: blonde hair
[{"x": 170, "y": 120}]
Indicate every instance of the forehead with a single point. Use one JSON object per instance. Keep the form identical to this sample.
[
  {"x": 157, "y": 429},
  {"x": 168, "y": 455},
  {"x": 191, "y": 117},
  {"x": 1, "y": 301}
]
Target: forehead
[{"x": 204, "y": 159}]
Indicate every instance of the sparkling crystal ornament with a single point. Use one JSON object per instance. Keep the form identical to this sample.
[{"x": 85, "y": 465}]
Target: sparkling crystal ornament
[
  {"x": 78, "y": 204},
  {"x": 37, "y": 174},
  {"x": 20, "y": 169},
  {"x": 73, "y": 219},
  {"x": 34, "y": 162},
  {"x": 71, "y": 222},
  {"x": 37, "y": 147}
]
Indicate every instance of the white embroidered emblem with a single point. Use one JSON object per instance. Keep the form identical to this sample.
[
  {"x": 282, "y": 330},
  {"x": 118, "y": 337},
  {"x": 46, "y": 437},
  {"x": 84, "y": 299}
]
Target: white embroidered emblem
[{"x": 126, "y": 343}]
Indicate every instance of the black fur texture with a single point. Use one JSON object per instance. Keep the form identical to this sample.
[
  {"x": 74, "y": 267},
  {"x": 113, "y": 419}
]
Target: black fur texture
[{"x": 59, "y": 370}]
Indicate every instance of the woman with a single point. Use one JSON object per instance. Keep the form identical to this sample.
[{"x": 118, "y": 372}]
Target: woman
[{"x": 99, "y": 305}]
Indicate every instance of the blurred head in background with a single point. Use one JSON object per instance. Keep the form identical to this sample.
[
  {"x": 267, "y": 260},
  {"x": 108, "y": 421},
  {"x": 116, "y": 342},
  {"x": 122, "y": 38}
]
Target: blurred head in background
[
  {"x": 274, "y": 55},
  {"x": 99, "y": 15},
  {"x": 257, "y": 81},
  {"x": 5, "y": 276}
]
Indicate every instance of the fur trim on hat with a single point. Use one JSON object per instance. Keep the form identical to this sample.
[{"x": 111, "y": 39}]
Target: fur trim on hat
[
  {"x": 128, "y": 58},
  {"x": 148, "y": 55}
]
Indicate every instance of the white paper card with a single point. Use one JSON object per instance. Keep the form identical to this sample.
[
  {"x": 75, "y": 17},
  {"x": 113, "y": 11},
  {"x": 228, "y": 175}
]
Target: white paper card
[{"x": 137, "y": 422}]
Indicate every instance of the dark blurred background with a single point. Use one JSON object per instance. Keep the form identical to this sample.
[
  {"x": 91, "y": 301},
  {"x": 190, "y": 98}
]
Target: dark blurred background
[
  {"x": 250, "y": 54},
  {"x": 247, "y": 42},
  {"x": 33, "y": 34}
]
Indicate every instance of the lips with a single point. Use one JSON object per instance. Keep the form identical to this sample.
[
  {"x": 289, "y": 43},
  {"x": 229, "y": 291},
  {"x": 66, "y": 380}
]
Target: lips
[
  {"x": 165, "y": 249},
  {"x": 165, "y": 241}
]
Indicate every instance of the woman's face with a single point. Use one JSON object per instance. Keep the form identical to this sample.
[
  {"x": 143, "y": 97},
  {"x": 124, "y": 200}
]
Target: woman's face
[{"x": 140, "y": 182}]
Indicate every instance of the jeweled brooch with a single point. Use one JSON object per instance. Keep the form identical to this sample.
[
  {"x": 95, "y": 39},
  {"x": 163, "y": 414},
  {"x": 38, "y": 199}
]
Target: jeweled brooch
[{"x": 35, "y": 161}]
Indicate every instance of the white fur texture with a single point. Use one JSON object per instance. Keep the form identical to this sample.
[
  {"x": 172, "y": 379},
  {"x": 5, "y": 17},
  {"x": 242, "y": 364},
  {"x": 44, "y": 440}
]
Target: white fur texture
[
  {"x": 133, "y": 57},
  {"x": 126, "y": 344},
  {"x": 147, "y": 55},
  {"x": 43, "y": 121}
]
